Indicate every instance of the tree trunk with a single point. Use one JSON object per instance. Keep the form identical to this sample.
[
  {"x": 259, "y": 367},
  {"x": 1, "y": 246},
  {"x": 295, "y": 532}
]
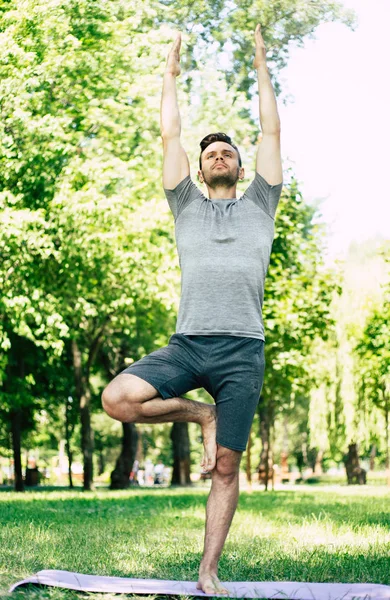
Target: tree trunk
[
  {"x": 181, "y": 474},
  {"x": 84, "y": 397},
  {"x": 373, "y": 452},
  {"x": 86, "y": 440},
  {"x": 387, "y": 439},
  {"x": 120, "y": 476},
  {"x": 265, "y": 469},
  {"x": 140, "y": 455},
  {"x": 69, "y": 452},
  {"x": 284, "y": 453},
  {"x": 102, "y": 462},
  {"x": 16, "y": 419},
  {"x": 312, "y": 458},
  {"x": 16, "y": 433},
  {"x": 318, "y": 463},
  {"x": 304, "y": 448},
  {"x": 271, "y": 456},
  {"x": 267, "y": 464},
  {"x": 355, "y": 474}
]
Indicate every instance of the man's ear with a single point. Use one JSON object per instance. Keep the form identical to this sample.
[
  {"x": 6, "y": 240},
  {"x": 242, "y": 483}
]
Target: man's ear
[
  {"x": 241, "y": 173},
  {"x": 200, "y": 177}
]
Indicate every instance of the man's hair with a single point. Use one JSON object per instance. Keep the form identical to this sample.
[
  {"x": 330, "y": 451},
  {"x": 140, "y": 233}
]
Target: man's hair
[{"x": 216, "y": 137}]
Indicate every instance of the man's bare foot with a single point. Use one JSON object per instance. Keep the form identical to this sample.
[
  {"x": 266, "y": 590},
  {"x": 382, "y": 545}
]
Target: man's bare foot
[
  {"x": 209, "y": 433},
  {"x": 210, "y": 584}
]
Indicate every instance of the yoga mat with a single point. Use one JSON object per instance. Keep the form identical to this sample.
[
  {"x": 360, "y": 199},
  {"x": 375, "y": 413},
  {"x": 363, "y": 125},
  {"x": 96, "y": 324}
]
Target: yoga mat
[{"x": 237, "y": 589}]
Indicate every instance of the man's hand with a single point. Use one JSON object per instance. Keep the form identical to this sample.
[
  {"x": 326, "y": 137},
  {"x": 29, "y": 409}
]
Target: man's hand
[
  {"x": 173, "y": 61},
  {"x": 260, "y": 57}
]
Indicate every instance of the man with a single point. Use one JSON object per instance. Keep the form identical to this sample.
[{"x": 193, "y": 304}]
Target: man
[{"x": 224, "y": 246}]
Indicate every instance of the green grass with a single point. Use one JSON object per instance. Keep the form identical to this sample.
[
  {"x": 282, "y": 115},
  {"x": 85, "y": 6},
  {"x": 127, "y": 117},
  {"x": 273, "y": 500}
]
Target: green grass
[{"x": 328, "y": 535}]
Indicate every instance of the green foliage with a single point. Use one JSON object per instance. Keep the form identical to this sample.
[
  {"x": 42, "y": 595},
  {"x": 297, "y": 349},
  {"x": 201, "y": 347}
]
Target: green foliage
[
  {"x": 343, "y": 408},
  {"x": 372, "y": 351},
  {"x": 87, "y": 241},
  {"x": 297, "y": 313}
]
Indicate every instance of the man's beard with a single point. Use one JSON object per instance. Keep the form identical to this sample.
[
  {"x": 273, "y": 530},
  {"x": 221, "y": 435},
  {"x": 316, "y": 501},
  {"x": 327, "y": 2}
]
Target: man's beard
[{"x": 221, "y": 179}]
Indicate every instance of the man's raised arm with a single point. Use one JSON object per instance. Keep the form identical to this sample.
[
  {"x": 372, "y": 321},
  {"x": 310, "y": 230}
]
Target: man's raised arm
[
  {"x": 176, "y": 165},
  {"x": 269, "y": 160}
]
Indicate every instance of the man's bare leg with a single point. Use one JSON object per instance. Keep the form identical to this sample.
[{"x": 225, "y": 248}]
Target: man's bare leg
[
  {"x": 130, "y": 399},
  {"x": 184, "y": 410},
  {"x": 221, "y": 506}
]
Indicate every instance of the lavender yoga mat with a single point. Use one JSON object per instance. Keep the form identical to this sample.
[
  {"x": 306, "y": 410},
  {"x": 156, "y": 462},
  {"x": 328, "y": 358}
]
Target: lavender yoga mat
[{"x": 237, "y": 589}]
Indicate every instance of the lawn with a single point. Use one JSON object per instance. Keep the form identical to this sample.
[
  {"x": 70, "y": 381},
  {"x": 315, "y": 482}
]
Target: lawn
[{"x": 335, "y": 534}]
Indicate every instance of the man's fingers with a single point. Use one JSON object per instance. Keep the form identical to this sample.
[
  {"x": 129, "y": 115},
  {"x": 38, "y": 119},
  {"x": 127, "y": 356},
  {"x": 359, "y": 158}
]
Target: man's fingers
[
  {"x": 177, "y": 42},
  {"x": 175, "y": 50},
  {"x": 258, "y": 31}
]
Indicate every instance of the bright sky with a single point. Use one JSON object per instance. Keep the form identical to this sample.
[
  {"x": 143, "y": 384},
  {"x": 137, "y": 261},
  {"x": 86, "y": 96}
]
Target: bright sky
[{"x": 336, "y": 130}]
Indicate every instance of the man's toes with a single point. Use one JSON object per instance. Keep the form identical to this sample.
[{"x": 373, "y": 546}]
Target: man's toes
[
  {"x": 219, "y": 588},
  {"x": 211, "y": 464}
]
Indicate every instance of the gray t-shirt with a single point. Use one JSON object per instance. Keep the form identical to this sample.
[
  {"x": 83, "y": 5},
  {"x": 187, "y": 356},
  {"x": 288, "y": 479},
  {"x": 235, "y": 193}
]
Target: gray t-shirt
[{"x": 224, "y": 248}]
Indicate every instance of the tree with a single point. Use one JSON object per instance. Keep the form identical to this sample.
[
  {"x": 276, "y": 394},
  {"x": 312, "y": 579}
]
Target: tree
[
  {"x": 26, "y": 381},
  {"x": 373, "y": 352},
  {"x": 120, "y": 477},
  {"x": 181, "y": 454},
  {"x": 340, "y": 413},
  {"x": 67, "y": 151},
  {"x": 296, "y": 309}
]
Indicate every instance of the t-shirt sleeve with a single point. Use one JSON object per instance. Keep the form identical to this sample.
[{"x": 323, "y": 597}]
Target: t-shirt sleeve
[
  {"x": 182, "y": 196},
  {"x": 265, "y": 195}
]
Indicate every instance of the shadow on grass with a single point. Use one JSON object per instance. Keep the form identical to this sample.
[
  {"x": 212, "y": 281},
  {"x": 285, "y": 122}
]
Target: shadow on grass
[
  {"x": 168, "y": 504},
  {"x": 296, "y": 507}
]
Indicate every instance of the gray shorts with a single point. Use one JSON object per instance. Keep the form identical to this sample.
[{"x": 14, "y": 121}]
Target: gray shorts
[{"x": 229, "y": 368}]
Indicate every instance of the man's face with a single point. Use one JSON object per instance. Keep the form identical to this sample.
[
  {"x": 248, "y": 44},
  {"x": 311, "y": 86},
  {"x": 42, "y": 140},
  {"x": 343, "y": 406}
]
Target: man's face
[{"x": 220, "y": 165}]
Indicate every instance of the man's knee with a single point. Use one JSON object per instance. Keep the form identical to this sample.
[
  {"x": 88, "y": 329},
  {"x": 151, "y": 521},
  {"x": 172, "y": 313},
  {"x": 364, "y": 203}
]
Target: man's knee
[
  {"x": 114, "y": 407},
  {"x": 109, "y": 403},
  {"x": 228, "y": 464},
  {"x": 117, "y": 401}
]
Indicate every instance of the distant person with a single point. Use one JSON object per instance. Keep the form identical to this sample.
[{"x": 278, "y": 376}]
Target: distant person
[
  {"x": 159, "y": 473},
  {"x": 149, "y": 472},
  {"x": 224, "y": 245},
  {"x": 134, "y": 473},
  {"x": 141, "y": 477}
]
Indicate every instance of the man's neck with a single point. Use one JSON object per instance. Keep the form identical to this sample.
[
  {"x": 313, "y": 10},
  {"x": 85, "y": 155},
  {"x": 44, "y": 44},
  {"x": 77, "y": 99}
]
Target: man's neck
[{"x": 222, "y": 193}]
